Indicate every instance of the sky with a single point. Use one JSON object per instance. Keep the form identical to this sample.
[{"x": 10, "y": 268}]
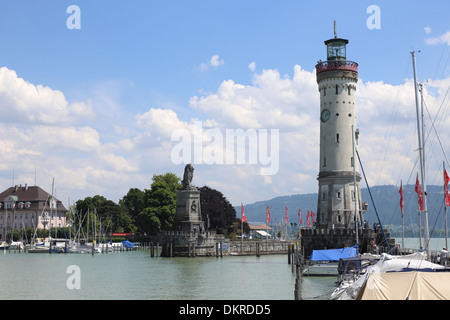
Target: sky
[{"x": 98, "y": 96}]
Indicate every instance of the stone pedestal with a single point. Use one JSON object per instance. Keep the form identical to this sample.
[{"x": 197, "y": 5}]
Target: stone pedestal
[{"x": 188, "y": 215}]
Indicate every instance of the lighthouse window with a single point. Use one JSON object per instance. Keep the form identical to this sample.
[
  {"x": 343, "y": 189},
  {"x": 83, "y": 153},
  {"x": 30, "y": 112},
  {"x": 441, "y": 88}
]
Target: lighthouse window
[
  {"x": 351, "y": 162},
  {"x": 324, "y": 162},
  {"x": 324, "y": 91},
  {"x": 349, "y": 91},
  {"x": 338, "y": 194},
  {"x": 337, "y": 137},
  {"x": 336, "y": 89}
]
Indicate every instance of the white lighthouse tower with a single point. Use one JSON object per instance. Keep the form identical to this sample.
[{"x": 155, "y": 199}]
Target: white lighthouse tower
[{"x": 337, "y": 199}]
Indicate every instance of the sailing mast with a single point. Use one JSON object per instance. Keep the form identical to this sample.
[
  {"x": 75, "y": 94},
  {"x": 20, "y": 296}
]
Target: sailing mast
[
  {"x": 421, "y": 157},
  {"x": 354, "y": 186},
  {"x": 445, "y": 204}
]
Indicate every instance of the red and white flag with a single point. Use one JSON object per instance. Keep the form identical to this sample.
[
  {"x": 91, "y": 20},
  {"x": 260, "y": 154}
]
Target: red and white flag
[
  {"x": 447, "y": 195},
  {"x": 308, "y": 223},
  {"x": 402, "y": 200},
  {"x": 300, "y": 216},
  {"x": 268, "y": 215},
  {"x": 285, "y": 208},
  {"x": 419, "y": 193},
  {"x": 244, "y": 219}
]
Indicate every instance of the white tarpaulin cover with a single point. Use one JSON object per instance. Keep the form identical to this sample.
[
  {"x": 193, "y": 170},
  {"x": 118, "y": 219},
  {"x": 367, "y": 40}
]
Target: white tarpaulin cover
[{"x": 413, "y": 285}]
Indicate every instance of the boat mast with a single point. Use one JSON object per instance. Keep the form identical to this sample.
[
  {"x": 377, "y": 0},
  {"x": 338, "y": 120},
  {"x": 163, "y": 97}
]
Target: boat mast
[
  {"x": 354, "y": 186},
  {"x": 421, "y": 157},
  {"x": 445, "y": 205}
]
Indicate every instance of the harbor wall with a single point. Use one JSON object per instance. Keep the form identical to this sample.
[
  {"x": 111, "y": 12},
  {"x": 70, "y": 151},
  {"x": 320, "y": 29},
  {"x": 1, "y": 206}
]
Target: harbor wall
[
  {"x": 208, "y": 243},
  {"x": 320, "y": 239}
]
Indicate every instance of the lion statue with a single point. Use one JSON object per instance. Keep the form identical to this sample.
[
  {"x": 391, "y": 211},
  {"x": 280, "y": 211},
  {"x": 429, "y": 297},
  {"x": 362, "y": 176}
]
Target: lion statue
[{"x": 187, "y": 178}]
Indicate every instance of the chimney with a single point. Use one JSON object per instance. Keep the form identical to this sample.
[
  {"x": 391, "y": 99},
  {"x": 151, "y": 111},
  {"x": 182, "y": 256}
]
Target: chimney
[{"x": 26, "y": 186}]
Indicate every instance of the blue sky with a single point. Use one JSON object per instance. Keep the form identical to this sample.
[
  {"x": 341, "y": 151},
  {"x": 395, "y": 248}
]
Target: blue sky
[{"x": 133, "y": 64}]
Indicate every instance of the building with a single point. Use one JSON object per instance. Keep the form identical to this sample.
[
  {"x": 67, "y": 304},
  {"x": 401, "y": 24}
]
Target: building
[
  {"x": 339, "y": 194},
  {"x": 259, "y": 230},
  {"x": 29, "y": 206},
  {"x": 337, "y": 197}
]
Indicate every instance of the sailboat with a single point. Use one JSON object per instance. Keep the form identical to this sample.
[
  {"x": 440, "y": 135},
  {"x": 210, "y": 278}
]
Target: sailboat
[{"x": 403, "y": 277}]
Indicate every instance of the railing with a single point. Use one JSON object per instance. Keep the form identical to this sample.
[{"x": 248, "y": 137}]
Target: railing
[{"x": 336, "y": 65}]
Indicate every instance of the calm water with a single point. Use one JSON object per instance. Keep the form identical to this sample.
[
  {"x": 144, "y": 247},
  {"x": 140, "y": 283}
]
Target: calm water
[{"x": 135, "y": 275}]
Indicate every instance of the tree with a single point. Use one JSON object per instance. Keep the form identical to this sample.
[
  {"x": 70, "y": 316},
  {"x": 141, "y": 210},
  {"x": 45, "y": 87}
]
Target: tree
[
  {"x": 133, "y": 202},
  {"x": 218, "y": 209},
  {"x": 160, "y": 204},
  {"x": 111, "y": 215}
]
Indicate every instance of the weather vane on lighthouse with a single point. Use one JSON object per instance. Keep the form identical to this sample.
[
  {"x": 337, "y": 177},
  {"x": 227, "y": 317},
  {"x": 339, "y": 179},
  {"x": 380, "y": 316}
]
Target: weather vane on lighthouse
[{"x": 335, "y": 35}]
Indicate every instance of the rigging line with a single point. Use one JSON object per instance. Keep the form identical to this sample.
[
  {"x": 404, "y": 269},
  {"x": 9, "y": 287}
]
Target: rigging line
[
  {"x": 433, "y": 126},
  {"x": 437, "y": 216},
  {"x": 395, "y": 209},
  {"x": 395, "y": 112},
  {"x": 370, "y": 194},
  {"x": 440, "y": 59}
]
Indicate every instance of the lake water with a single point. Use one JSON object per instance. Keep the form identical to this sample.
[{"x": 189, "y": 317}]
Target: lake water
[{"x": 134, "y": 275}]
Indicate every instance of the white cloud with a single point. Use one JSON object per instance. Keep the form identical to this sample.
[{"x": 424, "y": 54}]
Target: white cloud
[
  {"x": 216, "y": 61},
  {"x": 213, "y": 63},
  {"x": 271, "y": 102},
  {"x": 427, "y": 30},
  {"x": 27, "y": 103},
  {"x": 385, "y": 117},
  {"x": 445, "y": 38},
  {"x": 252, "y": 66},
  {"x": 83, "y": 163}
]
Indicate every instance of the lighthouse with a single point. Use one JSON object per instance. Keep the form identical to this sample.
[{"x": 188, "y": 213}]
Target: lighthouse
[{"x": 339, "y": 194}]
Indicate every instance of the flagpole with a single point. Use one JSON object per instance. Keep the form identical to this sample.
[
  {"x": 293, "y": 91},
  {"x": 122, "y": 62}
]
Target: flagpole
[
  {"x": 354, "y": 187},
  {"x": 242, "y": 226},
  {"x": 445, "y": 205},
  {"x": 242, "y": 233},
  {"x": 267, "y": 222},
  {"x": 401, "y": 209}
]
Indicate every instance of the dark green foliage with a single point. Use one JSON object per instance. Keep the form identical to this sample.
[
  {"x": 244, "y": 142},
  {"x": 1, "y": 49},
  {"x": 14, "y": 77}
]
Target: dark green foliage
[{"x": 216, "y": 207}]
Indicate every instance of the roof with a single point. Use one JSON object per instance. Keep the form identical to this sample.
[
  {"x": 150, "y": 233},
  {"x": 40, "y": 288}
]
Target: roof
[
  {"x": 259, "y": 226},
  {"x": 336, "y": 40},
  {"x": 263, "y": 233},
  {"x": 28, "y": 193}
]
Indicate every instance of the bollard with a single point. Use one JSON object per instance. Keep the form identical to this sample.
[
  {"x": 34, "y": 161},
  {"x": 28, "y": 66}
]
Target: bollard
[
  {"x": 298, "y": 283},
  {"x": 289, "y": 254},
  {"x": 152, "y": 253}
]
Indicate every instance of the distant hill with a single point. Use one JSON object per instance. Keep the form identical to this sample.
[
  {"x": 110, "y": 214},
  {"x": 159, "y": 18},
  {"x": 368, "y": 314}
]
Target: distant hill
[{"x": 385, "y": 198}]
